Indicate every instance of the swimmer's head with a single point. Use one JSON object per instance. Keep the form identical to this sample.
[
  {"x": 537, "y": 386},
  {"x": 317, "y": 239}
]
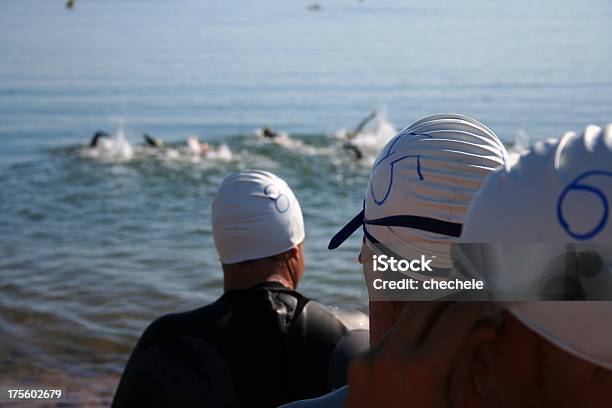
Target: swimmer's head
[
  {"x": 557, "y": 196},
  {"x": 422, "y": 184},
  {"x": 255, "y": 215},
  {"x": 418, "y": 193},
  {"x": 153, "y": 141},
  {"x": 267, "y": 132},
  {"x": 204, "y": 148},
  {"x": 97, "y": 137}
]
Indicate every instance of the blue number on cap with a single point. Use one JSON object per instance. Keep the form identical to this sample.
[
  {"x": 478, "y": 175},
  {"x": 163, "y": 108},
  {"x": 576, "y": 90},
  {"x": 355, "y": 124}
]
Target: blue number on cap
[
  {"x": 392, "y": 166},
  {"x": 281, "y": 201},
  {"x": 577, "y": 185}
]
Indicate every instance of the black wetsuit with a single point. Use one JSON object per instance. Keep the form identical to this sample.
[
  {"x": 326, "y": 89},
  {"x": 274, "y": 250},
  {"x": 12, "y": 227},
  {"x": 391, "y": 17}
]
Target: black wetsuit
[
  {"x": 259, "y": 347},
  {"x": 96, "y": 138}
]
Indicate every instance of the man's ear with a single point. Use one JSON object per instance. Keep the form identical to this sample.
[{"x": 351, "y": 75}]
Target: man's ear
[
  {"x": 293, "y": 252},
  {"x": 287, "y": 255}
]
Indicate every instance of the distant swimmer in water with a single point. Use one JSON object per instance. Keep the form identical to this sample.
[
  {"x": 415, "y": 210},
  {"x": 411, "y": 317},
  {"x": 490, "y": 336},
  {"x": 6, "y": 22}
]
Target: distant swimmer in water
[
  {"x": 95, "y": 140},
  {"x": 194, "y": 145},
  {"x": 153, "y": 141},
  {"x": 350, "y": 135},
  {"x": 269, "y": 133}
]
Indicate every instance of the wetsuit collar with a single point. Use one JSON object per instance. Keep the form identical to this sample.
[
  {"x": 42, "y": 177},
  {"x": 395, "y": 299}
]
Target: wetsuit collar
[{"x": 269, "y": 285}]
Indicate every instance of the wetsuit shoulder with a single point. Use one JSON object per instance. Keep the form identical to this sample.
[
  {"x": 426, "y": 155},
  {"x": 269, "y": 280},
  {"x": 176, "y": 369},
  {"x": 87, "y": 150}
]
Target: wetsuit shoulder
[
  {"x": 323, "y": 340},
  {"x": 173, "y": 365},
  {"x": 175, "y": 325},
  {"x": 348, "y": 319}
]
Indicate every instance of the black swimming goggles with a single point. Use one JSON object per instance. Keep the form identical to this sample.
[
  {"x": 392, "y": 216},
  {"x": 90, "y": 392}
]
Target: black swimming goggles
[{"x": 450, "y": 229}]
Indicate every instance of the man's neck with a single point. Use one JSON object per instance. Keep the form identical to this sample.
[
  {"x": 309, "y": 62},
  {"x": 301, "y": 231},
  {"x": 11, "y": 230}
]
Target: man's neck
[
  {"x": 245, "y": 283},
  {"x": 248, "y": 274}
]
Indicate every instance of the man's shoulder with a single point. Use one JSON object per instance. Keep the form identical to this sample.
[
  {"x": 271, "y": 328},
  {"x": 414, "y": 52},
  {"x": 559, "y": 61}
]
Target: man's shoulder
[
  {"x": 174, "y": 361},
  {"x": 347, "y": 318},
  {"x": 203, "y": 321},
  {"x": 189, "y": 323}
]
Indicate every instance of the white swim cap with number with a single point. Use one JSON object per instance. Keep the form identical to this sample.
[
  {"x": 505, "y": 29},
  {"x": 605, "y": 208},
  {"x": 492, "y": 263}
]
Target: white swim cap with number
[
  {"x": 422, "y": 183},
  {"x": 558, "y": 193},
  {"x": 255, "y": 215}
]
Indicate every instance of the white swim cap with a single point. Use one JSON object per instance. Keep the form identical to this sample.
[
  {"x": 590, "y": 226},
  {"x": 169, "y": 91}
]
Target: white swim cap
[
  {"x": 255, "y": 215},
  {"x": 422, "y": 184},
  {"x": 557, "y": 194}
]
